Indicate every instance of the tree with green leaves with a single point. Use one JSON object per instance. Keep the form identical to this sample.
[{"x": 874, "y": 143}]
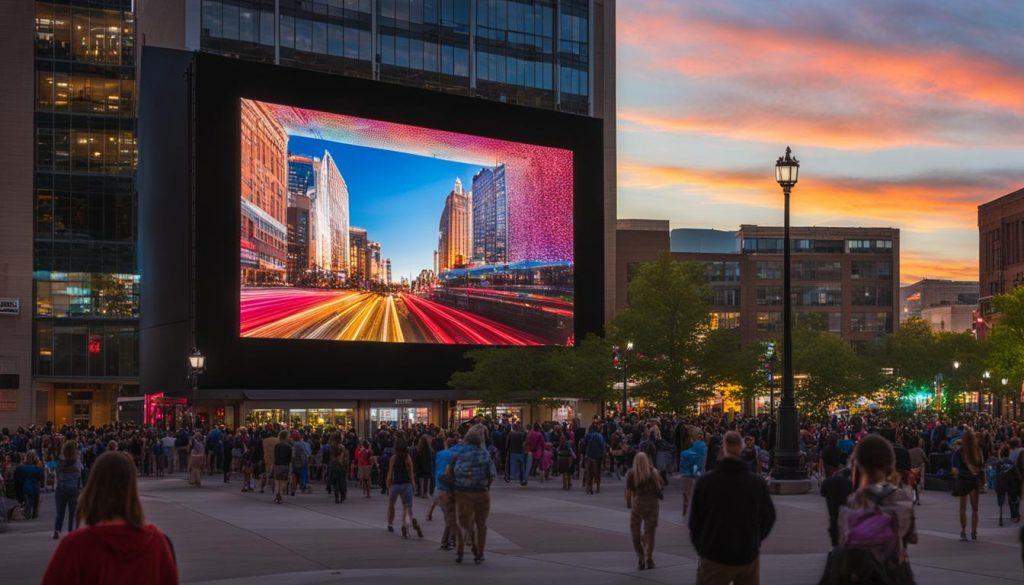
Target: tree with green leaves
[
  {"x": 533, "y": 375},
  {"x": 667, "y": 319},
  {"x": 1006, "y": 345},
  {"x": 725, "y": 360},
  {"x": 832, "y": 372},
  {"x": 540, "y": 375}
]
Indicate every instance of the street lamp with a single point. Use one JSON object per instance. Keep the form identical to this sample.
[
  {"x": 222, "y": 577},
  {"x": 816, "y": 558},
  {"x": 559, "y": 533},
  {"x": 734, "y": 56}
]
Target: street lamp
[
  {"x": 787, "y": 451},
  {"x": 196, "y": 366},
  {"x": 986, "y": 375},
  {"x": 956, "y": 365},
  {"x": 625, "y": 376}
]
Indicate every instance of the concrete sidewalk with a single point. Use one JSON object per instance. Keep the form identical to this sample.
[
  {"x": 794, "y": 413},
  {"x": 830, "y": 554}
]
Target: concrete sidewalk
[{"x": 225, "y": 537}]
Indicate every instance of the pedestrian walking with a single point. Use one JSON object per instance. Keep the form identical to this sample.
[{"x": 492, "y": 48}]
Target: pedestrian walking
[
  {"x": 517, "y": 455},
  {"x": 691, "y": 464},
  {"x": 196, "y": 459},
  {"x": 472, "y": 472},
  {"x": 29, "y": 476},
  {"x": 282, "y": 466},
  {"x": 968, "y": 467},
  {"x": 565, "y": 457},
  {"x": 399, "y": 483},
  {"x": 836, "y": 489},
  {"x": 444, "y": 496},
  {"x": 594, "y": 451},
  {"x": 117, "y": 546},
  {"x": 732, "y": 513},
  {"x": 643, "y": 498},
  {"x": 364, "y": 466},
  {"x": 69, "y": 483},
  {"x": 338, "y": 468}
]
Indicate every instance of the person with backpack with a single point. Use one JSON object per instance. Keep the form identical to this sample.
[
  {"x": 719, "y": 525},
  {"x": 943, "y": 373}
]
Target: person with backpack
[
  {"x": 732, "y": 513},
  {"x": 967, "y": 464},
  {"x": 875, "y": 525}
]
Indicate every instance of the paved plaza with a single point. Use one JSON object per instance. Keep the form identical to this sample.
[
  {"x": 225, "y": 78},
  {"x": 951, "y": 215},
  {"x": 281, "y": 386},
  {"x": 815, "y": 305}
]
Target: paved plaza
[{"x": 537, "y": 534}]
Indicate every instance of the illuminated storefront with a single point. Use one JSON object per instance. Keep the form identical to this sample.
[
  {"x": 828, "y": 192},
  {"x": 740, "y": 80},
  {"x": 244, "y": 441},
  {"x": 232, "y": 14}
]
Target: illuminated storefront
[
  {"x": 399, "y": 415},
  {"x": 302, "y": 417}
]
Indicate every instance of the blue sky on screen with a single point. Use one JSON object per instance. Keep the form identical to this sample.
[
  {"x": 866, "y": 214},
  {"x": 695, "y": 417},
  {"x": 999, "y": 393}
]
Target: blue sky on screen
[{"x": 397, "y": 197}]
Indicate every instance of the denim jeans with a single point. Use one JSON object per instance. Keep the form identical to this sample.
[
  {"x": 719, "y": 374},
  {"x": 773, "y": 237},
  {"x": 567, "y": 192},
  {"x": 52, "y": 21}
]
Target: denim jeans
[
  {"x": 67, "y": 498},
  {"x": 519, "y": 465}
]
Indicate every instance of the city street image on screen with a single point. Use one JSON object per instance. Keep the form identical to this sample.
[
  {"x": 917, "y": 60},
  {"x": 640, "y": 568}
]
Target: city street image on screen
[{"x": 363, "y": 230}]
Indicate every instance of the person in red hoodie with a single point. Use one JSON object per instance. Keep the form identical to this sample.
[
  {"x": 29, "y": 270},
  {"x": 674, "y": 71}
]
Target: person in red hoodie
[{"x": 116, "y": 546}]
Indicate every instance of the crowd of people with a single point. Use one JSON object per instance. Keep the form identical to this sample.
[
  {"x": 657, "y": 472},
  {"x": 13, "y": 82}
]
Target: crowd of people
[{"x": 865, "y": 465}]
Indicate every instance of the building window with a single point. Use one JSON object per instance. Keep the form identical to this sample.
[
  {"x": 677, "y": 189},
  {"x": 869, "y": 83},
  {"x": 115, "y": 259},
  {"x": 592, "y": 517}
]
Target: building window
[
  {"x": 79, "y": 294},
  {"x": 769, "y": 321},
  {"x": 725, "y": 320},
  {"x": 769, "y": 295},
  {"x": 769, "y": 270},
  {"x": 817, "y": 246},
  {"x": 871, "y": 322},
  {"x": 725, "y": 296},
  {"x": 765, "y": 245},
  {"x": 819, "y": 296},
  {"x": 869, "y": 246},
  {"x": 722, "y": 271},
  {"x": 868, "y": 269},
  {"x": 87, "y": 350},
  {"x": 872, "y": 296},
  {"x": 816, "y": 270}
]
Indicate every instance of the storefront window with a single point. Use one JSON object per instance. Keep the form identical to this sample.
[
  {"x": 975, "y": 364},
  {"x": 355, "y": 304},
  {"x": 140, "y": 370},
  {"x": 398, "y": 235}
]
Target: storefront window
[
  {"x": 399, "y": 416},
  {"x": 302, "y": 417}
]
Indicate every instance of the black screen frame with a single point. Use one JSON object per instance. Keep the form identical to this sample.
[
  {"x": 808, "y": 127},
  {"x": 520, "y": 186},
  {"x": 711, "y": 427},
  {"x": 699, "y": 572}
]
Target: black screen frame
[{"x": 218, "y": 85}]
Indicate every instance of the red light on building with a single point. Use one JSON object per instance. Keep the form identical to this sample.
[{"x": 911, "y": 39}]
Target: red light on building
[{"x": 95, "y": 344}]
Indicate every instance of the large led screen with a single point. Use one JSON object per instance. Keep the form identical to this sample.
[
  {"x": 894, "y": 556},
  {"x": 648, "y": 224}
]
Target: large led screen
[{"x": 363, "y": 230}]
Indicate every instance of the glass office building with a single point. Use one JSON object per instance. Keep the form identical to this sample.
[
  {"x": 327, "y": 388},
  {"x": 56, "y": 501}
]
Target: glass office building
[
  {"x": 530, "y": 52},
  {"x": 86, "y": 285}
]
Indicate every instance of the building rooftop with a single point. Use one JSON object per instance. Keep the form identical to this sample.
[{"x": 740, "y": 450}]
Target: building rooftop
[{"x": 644, "y": 225}]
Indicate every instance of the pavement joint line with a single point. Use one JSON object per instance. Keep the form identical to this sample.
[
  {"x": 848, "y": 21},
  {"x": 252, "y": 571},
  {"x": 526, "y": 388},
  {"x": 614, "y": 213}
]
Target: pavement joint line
[
  {"x": 914, "y": 564},
  {"x": 261, "y": 536}
]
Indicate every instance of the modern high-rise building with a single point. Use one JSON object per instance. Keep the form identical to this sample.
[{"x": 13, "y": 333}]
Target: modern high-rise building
[
  {"x": 330, "y": 210},
  {"x": 374, "y": 264},
  {"x": 490, "y": 216},
  {"x": 301, "y": 184},
  {"x": 553, "y": 54},
  {"x": 454, "y": 243},
  {"x": 264, "y": 187},
  {"x": 69, "y": 285},
  {"x": 359, "y": 254},
  {"x": 387, "y": 271}
]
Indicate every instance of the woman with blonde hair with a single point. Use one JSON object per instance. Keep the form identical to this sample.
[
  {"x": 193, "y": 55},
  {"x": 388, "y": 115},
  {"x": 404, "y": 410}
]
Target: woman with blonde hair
[
  {"x": 643, "y": 498},
  {"x": 968, "y": 467},
  {"x": 116, "y": 546}
]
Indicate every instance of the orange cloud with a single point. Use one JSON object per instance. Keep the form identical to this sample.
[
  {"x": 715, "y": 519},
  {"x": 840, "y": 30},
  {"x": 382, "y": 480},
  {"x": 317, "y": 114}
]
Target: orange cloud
[
  {"x": 921, "y": 203},
  {"x": 767, "y": 83},
  {"x": 915, "y": 266}
]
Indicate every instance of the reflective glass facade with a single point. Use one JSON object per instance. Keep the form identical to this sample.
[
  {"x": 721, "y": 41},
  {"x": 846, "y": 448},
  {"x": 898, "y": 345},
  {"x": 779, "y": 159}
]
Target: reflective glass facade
[
  {"x": 530, "y": 52},
  {"x": 86, "y": 281}
]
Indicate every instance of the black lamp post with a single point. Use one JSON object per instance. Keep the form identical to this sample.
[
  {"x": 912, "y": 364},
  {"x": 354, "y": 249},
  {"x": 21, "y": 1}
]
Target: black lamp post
[
  {"x": 787, "y": 444},
  {"x": 625, "y": 377},
  {"x": 196, "y": 366}
]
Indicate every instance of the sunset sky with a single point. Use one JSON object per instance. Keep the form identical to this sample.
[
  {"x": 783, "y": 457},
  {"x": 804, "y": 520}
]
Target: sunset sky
[{"x": 904, "y": 114}]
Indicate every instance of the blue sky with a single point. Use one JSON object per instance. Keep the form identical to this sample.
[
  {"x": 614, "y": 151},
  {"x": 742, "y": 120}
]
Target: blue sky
[{"x": 397, "y": 197}]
